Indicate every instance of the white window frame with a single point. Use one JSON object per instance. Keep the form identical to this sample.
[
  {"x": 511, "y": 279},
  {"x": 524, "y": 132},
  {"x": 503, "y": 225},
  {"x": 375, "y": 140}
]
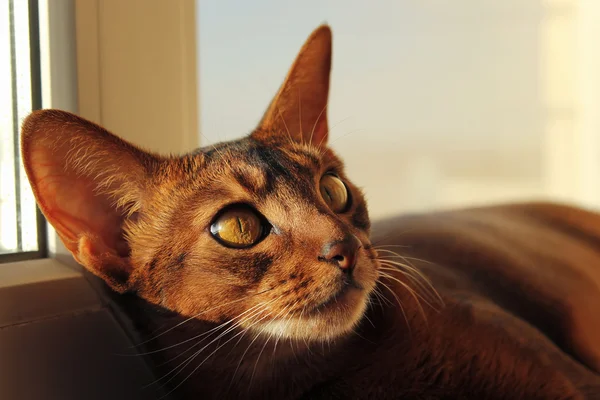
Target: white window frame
[
  {"x": 74, "y": 53},
  {"x": 64, "y": 291}
]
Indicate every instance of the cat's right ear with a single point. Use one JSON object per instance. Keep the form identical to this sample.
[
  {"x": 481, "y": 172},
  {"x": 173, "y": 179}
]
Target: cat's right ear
[
  {"x": 88, "y": 183},
  {"x": 299, "y": 109}
]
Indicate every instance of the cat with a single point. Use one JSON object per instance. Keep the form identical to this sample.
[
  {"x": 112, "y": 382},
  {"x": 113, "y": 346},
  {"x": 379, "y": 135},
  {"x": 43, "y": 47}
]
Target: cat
[{"x": 250, "y": 269}]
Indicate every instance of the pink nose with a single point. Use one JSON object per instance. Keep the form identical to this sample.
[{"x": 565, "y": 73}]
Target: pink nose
[{"x": 342, "y": 253}]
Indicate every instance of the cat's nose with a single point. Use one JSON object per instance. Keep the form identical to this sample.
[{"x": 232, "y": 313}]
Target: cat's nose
[{"x": 342, "y": 253}]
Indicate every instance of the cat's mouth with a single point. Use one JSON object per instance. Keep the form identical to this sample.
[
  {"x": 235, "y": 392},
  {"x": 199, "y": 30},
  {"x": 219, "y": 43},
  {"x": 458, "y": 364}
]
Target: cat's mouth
[
  {"x": 338, "y": 298},
  {"x": 330, "y": 318},
  {"x": 327, "y": 309}
]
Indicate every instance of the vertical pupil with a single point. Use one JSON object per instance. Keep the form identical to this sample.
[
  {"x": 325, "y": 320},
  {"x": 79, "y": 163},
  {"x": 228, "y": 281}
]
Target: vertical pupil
[
  {"x": 328, "y": 196},
  {"x": 334, "y": 192},
  {"x": 238, "y": 227}
]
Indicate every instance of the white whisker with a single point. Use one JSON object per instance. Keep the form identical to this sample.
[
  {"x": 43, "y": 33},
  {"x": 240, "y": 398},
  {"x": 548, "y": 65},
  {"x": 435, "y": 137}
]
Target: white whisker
[
  {"x": 312, "y": 132},
  {"x": 214, "y": 351},
  {"x": 199, "y": 314},
  {"x": 399, "y": 304},
  {"x": 187, "y": 361},
  {"x": 416, "y": 276},
  {"x": 410, "y": 290},
  {"x": 425, "y": 289},
  {"x": 212, "y": 331},
  {"x": 300, "y": 117},
  {"x": 285, "y": 125},
  {"x": 409, "y": 267}
]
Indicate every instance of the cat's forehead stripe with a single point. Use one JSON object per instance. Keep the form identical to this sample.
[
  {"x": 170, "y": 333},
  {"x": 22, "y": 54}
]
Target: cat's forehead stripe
[
  {"x": 265, "y": 168},
  {"x": 252, "y": 178},
  {"x": 304, "y": 156},
  {"x": 282, "y": 167}
]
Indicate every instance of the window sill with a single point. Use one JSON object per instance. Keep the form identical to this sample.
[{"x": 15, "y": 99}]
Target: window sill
[
  {"x": 39, "y": 289},
  {"x": 61, "y": 339}
]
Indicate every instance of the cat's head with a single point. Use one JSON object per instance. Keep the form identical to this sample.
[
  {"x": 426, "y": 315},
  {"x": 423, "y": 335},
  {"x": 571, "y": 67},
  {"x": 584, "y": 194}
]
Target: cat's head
[{"x": 266, "y": 231}]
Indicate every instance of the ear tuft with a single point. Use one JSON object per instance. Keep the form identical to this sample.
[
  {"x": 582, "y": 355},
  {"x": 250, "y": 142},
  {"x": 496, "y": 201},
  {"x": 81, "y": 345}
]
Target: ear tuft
[
  {"x": 300, "y": 107},
  {"x": 87, "y": 183}
]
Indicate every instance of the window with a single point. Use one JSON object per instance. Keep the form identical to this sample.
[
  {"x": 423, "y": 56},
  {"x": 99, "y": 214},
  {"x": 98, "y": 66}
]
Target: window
[{"x": 22, "y": 227}]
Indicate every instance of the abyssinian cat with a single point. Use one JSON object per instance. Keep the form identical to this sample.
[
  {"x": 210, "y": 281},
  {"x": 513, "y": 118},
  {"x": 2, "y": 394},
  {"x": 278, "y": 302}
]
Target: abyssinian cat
[{"x": 251, "y": 270}]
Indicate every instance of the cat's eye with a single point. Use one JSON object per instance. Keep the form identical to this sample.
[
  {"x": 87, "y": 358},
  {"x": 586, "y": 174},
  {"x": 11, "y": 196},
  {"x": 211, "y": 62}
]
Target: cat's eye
[
  {"x": 334, "y": 192},
  {"x": 239, "y": 227}
]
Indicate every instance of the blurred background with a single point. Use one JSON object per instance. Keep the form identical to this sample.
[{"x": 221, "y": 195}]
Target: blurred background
[{"x": 434, "y": 104}]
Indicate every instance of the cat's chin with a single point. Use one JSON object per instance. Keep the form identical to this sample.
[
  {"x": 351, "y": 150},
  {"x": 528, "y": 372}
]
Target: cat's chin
[{"x": 332, "y": 319}]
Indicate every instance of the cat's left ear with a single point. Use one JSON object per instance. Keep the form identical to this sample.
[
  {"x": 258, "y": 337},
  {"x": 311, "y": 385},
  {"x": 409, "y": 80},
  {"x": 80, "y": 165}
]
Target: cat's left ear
[
  {"x": 89, "y": 184},
  {"x": 300, "y": 107}
]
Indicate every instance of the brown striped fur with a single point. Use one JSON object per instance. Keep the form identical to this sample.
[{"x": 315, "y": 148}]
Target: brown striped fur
[{"x": 515, "y": 313}]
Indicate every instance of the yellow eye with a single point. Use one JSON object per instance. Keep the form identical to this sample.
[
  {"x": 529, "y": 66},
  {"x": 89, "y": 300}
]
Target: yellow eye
[
  {"x": 334, "y": 193},
  {"x": 238, "y": 227}
]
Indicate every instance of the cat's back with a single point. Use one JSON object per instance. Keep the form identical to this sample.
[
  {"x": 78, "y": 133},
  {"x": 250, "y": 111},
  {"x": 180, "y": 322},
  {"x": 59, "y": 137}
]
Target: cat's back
[
  {"x": 539, "y": 249},
  {"x": 531, "y": 270}
]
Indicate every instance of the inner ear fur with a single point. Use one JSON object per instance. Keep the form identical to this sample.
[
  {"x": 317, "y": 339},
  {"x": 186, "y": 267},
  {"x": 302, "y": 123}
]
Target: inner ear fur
[
  {"x": 87, "y": 182},
  {"x": 299, "y": 109}
]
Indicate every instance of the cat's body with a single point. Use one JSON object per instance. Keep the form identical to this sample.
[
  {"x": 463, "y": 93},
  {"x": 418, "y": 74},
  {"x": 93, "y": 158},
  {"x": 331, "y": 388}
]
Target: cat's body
[
  {"x": 249, "y": 269},
  {"x": 513, "y": 278},
  {"x": 508, "y": 329}
]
